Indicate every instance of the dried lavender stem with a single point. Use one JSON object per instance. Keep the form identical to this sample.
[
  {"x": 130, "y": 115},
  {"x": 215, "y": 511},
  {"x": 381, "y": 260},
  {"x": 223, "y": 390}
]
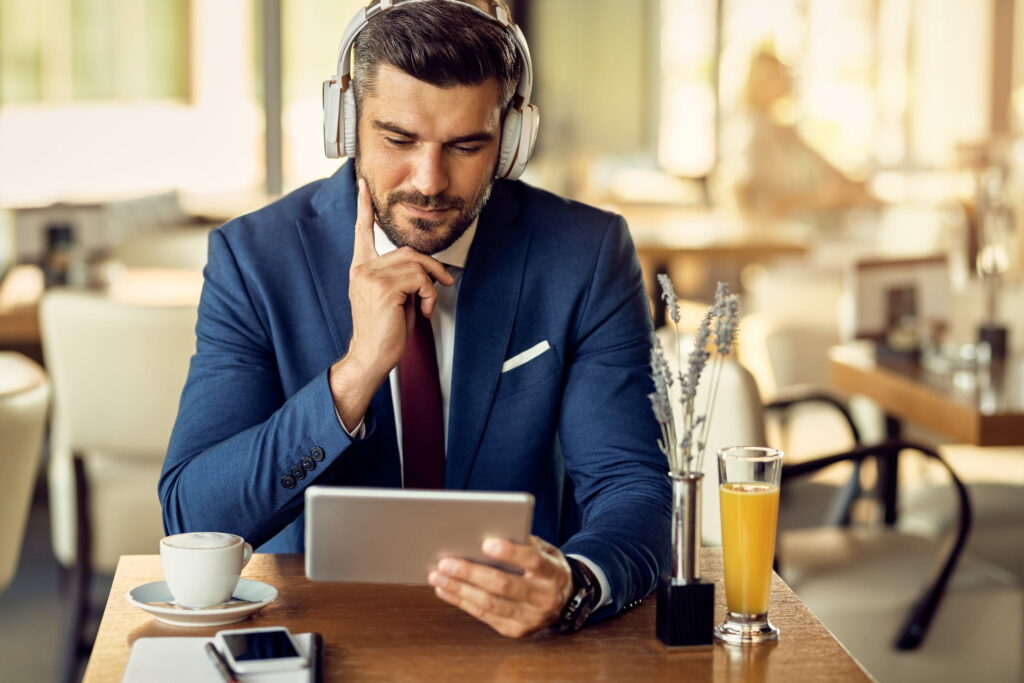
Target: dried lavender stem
[{"x": 716, "y": 376}]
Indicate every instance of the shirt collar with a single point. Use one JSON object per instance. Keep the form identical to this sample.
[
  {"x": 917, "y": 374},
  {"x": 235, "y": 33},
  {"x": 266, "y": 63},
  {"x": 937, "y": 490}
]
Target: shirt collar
[{"x": 455, "y": 255}]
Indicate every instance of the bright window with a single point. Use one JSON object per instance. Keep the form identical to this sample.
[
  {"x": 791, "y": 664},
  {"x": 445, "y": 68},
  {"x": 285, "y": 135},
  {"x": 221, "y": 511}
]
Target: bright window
[
  {"x": 62, "y": 50},
  {"x": 877, "y": 83}
]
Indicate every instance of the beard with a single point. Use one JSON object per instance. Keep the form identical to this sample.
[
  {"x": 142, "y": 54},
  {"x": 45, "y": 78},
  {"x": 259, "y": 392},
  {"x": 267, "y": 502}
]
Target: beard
[{"x": 425, "y": 235}]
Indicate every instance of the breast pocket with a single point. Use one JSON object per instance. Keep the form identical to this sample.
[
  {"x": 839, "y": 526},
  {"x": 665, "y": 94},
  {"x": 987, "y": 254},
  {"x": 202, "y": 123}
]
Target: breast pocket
[{"x": 543, "y": 368}]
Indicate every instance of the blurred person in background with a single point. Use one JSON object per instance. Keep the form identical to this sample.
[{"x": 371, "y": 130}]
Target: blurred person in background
[{"x": 782, "y": 176}]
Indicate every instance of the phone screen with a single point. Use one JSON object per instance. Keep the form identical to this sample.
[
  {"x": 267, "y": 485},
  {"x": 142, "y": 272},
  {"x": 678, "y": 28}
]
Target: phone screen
[{"x": 252, "y": 647}]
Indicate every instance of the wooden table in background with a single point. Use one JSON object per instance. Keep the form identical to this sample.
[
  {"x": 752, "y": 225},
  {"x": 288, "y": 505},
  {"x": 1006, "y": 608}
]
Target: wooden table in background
[
  {"x": 699, "y": 247},
  {"x": 669, "y": 231},
  {"x": 389, "y": 633},
  {"x": 983, "y": 407},
  {"x": 20, "y": 290}
]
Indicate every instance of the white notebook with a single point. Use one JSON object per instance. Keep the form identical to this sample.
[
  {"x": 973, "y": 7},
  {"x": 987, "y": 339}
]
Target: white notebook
[{"x": 174, "y": 659}]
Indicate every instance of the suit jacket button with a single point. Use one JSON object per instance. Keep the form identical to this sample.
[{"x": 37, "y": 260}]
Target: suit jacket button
[
  {"x": 288, "y": 482},
  {"x": 308, "y": 463},
  {"x": 317, "y": 453},
  {"x": 298, "y": 473}
]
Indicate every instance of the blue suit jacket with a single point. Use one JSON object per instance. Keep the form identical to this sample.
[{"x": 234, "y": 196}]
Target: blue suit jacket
[{"x": 573, "y": 426}]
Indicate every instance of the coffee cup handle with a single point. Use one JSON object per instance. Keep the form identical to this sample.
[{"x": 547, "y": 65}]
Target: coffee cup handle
[{"x": 246, "y": 555}]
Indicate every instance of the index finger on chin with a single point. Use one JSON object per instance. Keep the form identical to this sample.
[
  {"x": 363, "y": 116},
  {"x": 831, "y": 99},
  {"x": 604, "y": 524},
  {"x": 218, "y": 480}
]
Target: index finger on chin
[{"x": 363, "y": 249}]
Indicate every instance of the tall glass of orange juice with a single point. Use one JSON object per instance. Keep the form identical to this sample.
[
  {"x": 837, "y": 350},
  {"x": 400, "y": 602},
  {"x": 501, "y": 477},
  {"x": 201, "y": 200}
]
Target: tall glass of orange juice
[{"x": 749, "y": 495}]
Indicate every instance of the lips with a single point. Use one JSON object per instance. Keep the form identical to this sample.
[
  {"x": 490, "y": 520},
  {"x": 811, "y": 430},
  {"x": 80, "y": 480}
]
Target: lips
[{"x": 425, "y": 213}]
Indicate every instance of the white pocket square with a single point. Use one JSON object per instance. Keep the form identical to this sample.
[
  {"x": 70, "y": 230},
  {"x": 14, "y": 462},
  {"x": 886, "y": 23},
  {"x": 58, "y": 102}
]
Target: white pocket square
[{"x": 525, "y": 357}]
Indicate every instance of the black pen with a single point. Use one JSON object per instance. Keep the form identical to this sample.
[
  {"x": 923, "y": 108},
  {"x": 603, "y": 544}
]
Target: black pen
[{"x": 223, "y": 668}]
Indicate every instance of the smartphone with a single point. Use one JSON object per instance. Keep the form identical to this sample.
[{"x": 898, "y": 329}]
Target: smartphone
[{"x": 251, "y": 650}]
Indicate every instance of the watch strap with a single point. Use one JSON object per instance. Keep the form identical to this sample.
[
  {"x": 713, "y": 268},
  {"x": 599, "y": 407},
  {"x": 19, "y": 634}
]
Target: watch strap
[{"x": 585, "y": 597}]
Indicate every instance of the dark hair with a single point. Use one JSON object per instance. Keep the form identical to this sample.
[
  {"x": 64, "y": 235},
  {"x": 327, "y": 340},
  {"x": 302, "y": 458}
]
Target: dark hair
[{"x": 440, "y": 42}]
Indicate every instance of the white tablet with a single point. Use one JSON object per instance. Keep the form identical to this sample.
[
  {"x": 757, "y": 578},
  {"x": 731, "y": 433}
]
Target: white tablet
[{"x": 397, "y": 536}]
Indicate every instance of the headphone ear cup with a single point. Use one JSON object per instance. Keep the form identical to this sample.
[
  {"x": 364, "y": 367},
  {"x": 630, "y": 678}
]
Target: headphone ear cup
[
  {"x": 331, "y": 106},
  {"x": 511, "y": 131},
  {"x": 348, "y": 122},
  {"x": 527, "y": 138},
  {"x": 517, "y": 141}
]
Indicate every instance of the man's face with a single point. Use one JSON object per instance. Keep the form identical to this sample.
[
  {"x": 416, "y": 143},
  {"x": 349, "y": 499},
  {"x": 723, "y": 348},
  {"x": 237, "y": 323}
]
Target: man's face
[{"x": 428, "y": 155}]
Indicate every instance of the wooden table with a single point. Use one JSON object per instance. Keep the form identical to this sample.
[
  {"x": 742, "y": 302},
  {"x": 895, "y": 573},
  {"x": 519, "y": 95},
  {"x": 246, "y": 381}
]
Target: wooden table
[
  {"x": 21, "y": 291},
  {"x": 390, "y": 633},
  {"x": 699, "y": 247},
  {"x": 666, "y": 231},
  {"x": 984, "y": 408},
  {"x": 980, "y": 407}
]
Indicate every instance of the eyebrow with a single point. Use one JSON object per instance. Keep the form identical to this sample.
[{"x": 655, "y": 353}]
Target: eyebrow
[{"x": 398, "y": 130}]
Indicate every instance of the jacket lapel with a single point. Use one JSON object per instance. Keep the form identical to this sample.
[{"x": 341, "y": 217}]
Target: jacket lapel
[
  {"x": 488, "y": 298},
  {"x": 327, "y": 235}
]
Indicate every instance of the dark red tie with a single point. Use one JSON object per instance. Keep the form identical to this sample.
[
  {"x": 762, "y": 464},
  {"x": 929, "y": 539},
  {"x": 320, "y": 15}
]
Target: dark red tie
[{"x": 422, "y": 417}]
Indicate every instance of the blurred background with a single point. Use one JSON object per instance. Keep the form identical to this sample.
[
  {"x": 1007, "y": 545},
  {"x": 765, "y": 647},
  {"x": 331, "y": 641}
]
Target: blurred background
[
  {"x": 836, "y": 128},
  {"x": 854, "y": 168}
]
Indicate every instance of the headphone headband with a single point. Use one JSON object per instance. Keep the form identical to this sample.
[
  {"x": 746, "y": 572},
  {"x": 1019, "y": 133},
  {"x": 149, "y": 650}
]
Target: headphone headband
[
  {"x": 521, "y": 118},
  {"x": 344, "y": 71}
]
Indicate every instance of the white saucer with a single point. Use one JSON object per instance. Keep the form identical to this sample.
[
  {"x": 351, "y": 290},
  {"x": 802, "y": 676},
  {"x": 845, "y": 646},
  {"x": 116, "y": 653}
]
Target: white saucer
[{"x": 258, "y": 594}]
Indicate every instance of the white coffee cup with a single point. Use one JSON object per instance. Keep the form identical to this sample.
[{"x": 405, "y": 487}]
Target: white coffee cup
[{"x": 201, "y": 568}]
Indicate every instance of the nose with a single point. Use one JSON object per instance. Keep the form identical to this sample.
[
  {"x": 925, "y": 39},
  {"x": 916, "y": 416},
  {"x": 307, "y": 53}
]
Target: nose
[{"x": 429, "y": 174}]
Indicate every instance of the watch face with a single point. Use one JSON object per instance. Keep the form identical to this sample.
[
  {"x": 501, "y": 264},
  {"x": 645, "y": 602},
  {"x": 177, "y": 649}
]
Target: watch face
[{"x": 583, "y": 601}]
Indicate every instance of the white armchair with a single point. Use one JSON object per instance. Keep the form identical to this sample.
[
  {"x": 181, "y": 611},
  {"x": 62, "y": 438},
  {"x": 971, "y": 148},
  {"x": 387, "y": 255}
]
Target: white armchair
[
  {"x": 179, "y": 247},
  {"x": 24, "y": 396},
  {"x": 117, "y": 371}
]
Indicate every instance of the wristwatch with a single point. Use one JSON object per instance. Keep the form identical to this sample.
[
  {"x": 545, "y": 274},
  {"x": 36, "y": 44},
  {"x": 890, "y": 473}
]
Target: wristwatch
[{"x": 585, "y": 597}]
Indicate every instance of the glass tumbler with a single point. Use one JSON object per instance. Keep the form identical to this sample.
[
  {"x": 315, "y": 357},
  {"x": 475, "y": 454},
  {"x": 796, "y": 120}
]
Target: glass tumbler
[{"x": 749, "y": 495}]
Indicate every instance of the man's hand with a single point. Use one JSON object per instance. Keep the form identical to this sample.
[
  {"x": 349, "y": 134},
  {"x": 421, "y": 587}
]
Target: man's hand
[
  {"x": 511, "y": 604},
  {"x": 382, "y": 291}
]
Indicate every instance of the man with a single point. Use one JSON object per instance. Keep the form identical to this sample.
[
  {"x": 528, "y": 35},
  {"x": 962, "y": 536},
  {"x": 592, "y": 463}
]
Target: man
[{"x": 535, "y": 305}]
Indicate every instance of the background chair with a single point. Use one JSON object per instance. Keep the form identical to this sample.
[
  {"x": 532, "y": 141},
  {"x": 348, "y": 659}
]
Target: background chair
[
  {"x": 180, "y": 247},
  {"x": 24, "y": 395},
  {"x": 996, "y": 487},
  {"x": 964, "y": 622},
  {"x": 786, "y": 347},
  {"x": 117, "y": 371}
]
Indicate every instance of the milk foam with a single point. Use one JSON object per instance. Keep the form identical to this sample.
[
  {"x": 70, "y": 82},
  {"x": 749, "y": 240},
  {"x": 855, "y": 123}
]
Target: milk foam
[{"x": 202, "y": 540}]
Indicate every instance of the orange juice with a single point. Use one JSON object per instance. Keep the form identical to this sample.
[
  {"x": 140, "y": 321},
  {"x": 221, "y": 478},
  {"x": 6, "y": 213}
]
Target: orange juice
[{"x": 749, "y": 515}]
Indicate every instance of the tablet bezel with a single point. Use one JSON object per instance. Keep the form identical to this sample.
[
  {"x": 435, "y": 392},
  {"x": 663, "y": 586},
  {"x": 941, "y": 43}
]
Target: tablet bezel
[{"x": 398, "y": 535}]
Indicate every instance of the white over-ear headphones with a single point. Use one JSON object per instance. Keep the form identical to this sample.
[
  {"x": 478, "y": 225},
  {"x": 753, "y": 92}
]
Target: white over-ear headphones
[{"x": 518, "y": 133}]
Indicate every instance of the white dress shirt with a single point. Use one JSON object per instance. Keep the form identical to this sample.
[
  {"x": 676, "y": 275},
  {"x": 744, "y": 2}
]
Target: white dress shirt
[{"x": 443, "y": 324}]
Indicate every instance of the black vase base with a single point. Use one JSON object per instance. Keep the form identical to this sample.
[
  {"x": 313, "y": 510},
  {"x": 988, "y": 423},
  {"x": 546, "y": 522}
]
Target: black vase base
[{"x": 685, "y": 614}]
